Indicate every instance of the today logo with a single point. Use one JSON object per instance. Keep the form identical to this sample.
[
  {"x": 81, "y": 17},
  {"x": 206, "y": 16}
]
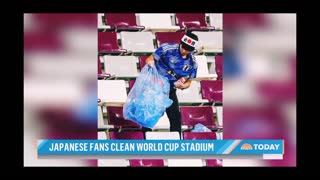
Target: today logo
[{"x": 248, "y": 146}]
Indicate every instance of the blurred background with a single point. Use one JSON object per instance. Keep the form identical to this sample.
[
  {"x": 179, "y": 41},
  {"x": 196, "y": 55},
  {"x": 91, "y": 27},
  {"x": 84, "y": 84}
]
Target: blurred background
[
  {"x": 259, "y": 88},
  {"x": 60, "y": 82},
  {"x": 60, "y": 89}
]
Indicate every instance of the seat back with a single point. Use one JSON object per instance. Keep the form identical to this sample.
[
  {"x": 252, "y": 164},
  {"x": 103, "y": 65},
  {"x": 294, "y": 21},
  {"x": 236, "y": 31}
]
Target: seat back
[
  {"x": 115, "y": 118},
  {"x": 137, "y": 42},
  {"x": 121, "y": 66},
  {"x": 112, "y": 91},
  {"x": 191, "y": 94},
  {"x": 216, "y": 20},
  {"x": 203, "y": 70},
  {"x": 137, "y": 135},
  {"x": 107, "y": 42},
  {"x": 169, "y": 37},
  {"x": 210, "y": 42},
  {"x": 219, "y": 66},
  {"x": 189, "y": 20},
  {"x": 120, "y": 19},
  {"x": 155, "y": 20},
  {"x": 199, "y": 135},
  {"x": 142, "y": 61},
  {"x": 192, "y": 115},
  {"x": 212, "y": 90}
]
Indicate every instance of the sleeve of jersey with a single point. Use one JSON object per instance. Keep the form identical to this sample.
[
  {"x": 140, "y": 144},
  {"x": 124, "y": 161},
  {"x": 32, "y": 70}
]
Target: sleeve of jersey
[{"x": 158, "y": 53}]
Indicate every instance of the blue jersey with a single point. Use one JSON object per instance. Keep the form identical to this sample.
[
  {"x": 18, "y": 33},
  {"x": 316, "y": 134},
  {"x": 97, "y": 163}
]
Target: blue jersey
[{"x": 170, "y": 53}]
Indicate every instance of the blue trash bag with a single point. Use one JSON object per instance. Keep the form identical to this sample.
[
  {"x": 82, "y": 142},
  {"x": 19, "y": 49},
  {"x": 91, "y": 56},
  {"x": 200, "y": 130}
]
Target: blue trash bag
[
  {"x": 200, "y": 128},
  {"x": 148, "y": 99}
]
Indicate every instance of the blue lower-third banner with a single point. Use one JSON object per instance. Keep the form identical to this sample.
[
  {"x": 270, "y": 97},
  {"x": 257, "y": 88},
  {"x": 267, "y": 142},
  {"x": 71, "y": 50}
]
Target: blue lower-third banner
[{"x": 159, "y": 147}]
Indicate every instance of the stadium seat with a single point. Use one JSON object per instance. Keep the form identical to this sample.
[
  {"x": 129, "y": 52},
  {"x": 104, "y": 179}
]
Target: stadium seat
[
  {"x": 138, "y": 135},
  {"x": 192, "y": 115},
  {"x": 216, "y": 20},
  {"x": 116, "y": 119},
  {"x": 108, "y": 43},
  {"x": 122, "y": 22},
  {"x": 131, "y": 83},
  {"x": 199, "y": 135},
  {"x": 101, "y": 123},
  {"x": 121, "y": 66},
  {"x": 146, "y": 162},
  {"x": 212, "y": 90},
  {"x": 169, "y": 37},
  {"x": 102, "y": 136},
  {"x": 219, "y": 115},
  {"x": 210, "y": 42},
  {"x": 142, "y": 61},
  {"x": 112, "y": 91},
  {"x": 99, "y": 66},
  {"x": 101, "y": 22},
  {"x": 214, "y": 162},
  {"x": 157, "y": 22},
  {"x": 137, "y": 42},
  {"x": 203, "y": 70},
  {"x": 191, "y": 94},
  {"x": 113, "y": 163},
  {"x": 162, "y": 135},
  {"x": 101, "y": 74},
  {"x": 194, "y": 21},
  {"x": 219, "y": 66}
]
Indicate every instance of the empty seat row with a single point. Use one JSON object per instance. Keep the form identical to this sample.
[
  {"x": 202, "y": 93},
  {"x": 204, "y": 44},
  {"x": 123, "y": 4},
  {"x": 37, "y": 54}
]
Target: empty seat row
[
  {"x": 159, "y": 22},
  {"x": 115, "y": 92},
  {"x": 143, "y": 42},
  {"x": 191, "y": 116},
  {"x": 129, "y": 66},
  {"x": 211, "y": 91}
]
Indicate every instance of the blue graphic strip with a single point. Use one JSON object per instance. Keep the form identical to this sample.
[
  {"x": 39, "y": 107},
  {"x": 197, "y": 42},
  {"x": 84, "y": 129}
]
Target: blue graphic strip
[{"x": 158, "y": 147}]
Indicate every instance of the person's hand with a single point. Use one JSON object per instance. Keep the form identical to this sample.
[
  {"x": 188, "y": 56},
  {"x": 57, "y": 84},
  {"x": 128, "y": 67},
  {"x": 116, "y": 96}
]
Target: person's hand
[
  {"x": 180, "y": 85},
  {"x": 150, "y": 63}
]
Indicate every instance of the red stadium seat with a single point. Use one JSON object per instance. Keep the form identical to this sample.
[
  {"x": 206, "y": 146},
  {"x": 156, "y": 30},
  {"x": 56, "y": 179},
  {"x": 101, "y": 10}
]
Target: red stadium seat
[
  {"x": 194, "y": 21},
  {"x": 169, "y": 37},
  {"x": 108, "y": 43},
  {"x": 115, "y": 118},
  {"x": 122, "y": 21},
  {"x": 219, "y": 66},
  {"x": 212, "y": 90},
  {"x": 193, "y": 115}
]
